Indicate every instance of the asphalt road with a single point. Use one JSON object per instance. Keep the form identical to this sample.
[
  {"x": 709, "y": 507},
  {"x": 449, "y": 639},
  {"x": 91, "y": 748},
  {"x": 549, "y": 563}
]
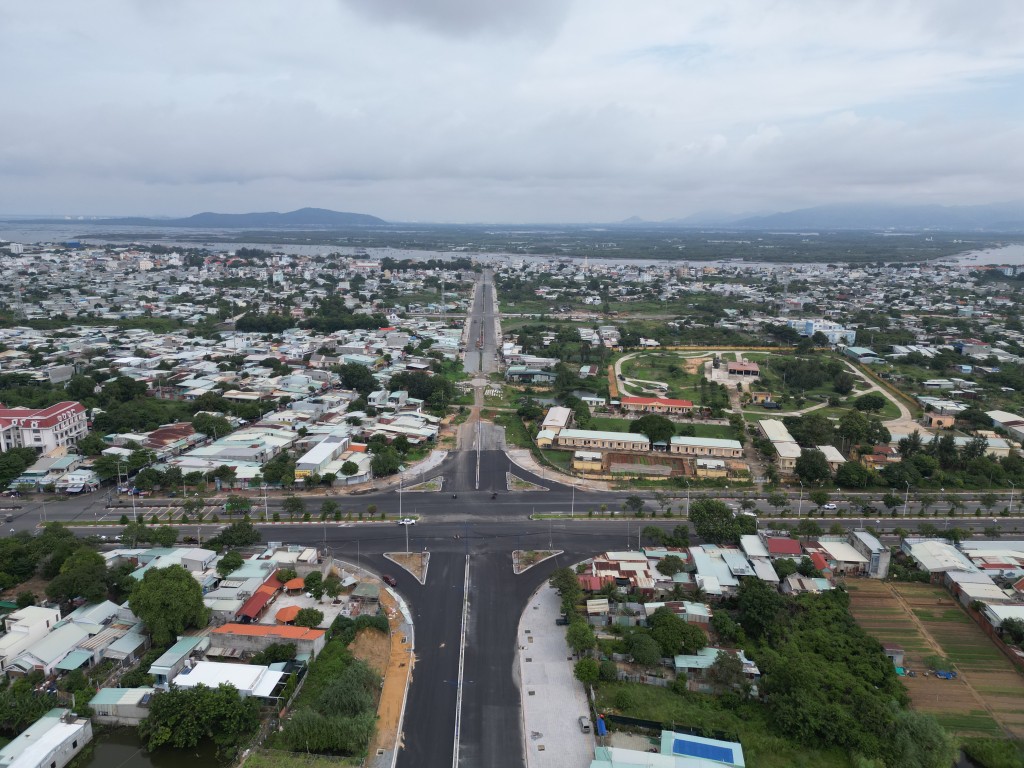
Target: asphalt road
[{"x": 481, "y": 327}]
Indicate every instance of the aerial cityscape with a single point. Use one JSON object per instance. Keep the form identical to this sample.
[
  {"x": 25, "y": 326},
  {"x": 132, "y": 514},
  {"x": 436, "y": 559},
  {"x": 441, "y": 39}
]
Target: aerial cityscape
[{"x": 537, "y": 385}]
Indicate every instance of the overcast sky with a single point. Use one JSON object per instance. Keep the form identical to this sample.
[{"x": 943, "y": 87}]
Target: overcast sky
[{"x": 507, "y": 110}]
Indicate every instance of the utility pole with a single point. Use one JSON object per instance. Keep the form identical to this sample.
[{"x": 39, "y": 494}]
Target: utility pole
[
  {"x": 906, "y": 499},
  {"x": 572, "y": 508},
  {"x": 406, "y": 538}
]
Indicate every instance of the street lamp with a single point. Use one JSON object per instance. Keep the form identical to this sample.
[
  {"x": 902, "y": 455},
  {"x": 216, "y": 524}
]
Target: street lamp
[
  {"x": 906, "y": 499},
  {"x": 800, "y": 506},
  {"x": 1013, "y": 487},
  {"x": 572, "y": 507}
]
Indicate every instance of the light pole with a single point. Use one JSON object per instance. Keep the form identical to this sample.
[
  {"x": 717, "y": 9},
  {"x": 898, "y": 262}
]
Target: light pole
[
  {"x": 800, "y": 506},
  {"x": 400, "y": 512},
  {"x": 135, "y": 517},
  {"x": 687, "y": 499},
  {"x": 906, "y": 498},
  {"x": 1012, "y": 489},
  {"x": 265, "y": 515},
  {"x": 572, "y": 507}
]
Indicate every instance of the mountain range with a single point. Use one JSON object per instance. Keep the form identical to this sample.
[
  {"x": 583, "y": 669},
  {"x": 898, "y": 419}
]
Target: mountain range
[
  {"x": 994, "y": 217},
  {"x": 304, "y": 218}
]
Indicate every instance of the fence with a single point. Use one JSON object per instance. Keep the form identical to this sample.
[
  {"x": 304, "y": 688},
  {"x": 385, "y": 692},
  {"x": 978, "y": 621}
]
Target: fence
[{"x": 651, "y": 725}]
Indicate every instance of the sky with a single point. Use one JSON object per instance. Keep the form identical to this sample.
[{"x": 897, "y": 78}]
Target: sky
[{"x": 499, "y": 111}]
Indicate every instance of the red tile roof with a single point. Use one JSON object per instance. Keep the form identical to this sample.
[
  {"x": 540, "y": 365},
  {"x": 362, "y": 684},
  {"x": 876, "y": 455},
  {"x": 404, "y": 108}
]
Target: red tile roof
[
  {"x": 255, "y": 604},
  {"x": 779, "y": 546}
]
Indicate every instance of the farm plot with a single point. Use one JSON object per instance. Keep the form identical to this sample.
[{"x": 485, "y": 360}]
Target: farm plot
[{"x": 887, "y": 616}]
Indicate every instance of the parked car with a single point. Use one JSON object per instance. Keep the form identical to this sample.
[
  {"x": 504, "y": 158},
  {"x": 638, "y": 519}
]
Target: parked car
[
  {"x": 562, "y": 621},
  {"x": 389, "y": 580},
  {"x": 584, "y": 722}
]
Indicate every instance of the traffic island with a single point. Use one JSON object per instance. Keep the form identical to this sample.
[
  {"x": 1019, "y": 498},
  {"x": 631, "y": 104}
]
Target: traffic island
[
  {"x": 414, "y": 562},
  {"x": 524, "y": 559},
  {"x": 428, "y": 486},
  {"x": 515, "y": 483}
]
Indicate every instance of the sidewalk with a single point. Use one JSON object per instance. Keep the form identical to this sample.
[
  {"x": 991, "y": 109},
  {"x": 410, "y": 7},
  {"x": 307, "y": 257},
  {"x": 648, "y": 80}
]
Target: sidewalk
[
  {"x": 523, "y": 459},
  {"x": 552, "y": 699}
]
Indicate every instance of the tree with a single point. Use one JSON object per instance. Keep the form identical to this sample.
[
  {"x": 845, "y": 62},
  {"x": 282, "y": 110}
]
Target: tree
[
  {"x": 236, "y": 504},
  {"x": 294, "y": 505},
  {"x": 83, "y": 574},
  {"x": 715, "y": 522},
  {"x": 812, "y": 467},
  {"x": 644, "y": 649},
  {"x": 1013, "y": 630},
  {"x": 349, "y": 468},
  {"x": 670, "y": 565},
  {"x": 309, "y": 617},
  {"x": 657, "y": 428},
  {"x": 784, "y": 567},
  {"x": 778, "y": 500},
  {"x": 891, "y": 501},
  {"x": 818, "y": 497},
  {"x": 240, "y": 534},
  {"x": 872, "y": 401},
  {"x": 169, "y": 601},
  {"x": 633, "y": 503},
  {"x": 988, "y": 500},
  {"x": 580, "y": 637},
  {"x": 25, "y": 599},
  {"x": 853, "y": 474},
  {"x": 759, "y": 606},
  {"x": 230, "y": 563},
  {"x": 385, "y": 462},
  {"x": 587, "y": 671},
  {"x": 314, "y": 583},
  {"x": 182, "y": 718},
  {"x": 329, "y": 508},
  {"x": 726, "y": 674},
  {"x": 274, "y": 653},
  {"x": 843, "y": 382},
  {"x": 673, "y": 634}
]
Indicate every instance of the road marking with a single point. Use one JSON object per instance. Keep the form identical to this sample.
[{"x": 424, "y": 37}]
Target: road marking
[{"x": 462, "y": 660}]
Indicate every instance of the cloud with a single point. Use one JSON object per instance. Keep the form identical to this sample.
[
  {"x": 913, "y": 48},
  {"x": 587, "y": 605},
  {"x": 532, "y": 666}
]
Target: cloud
[{"x": 587, "y": 110}]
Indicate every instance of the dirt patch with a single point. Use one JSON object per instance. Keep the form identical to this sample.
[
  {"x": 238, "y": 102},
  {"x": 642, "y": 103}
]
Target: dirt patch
[
  {"x": 399, "y": 664},
  {"x": 414, "y": 562},
  {"x": 373, "y": 647},
  {"x": 34, "y": 585},
  {"x": 694, "y": 364},
  {"x": 524, "y": 559}
]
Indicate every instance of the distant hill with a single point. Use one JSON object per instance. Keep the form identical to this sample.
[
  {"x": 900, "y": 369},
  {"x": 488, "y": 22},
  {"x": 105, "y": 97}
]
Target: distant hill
[
  {"x": 997, "y": 217},
  {"x": 304, "y": 218}
]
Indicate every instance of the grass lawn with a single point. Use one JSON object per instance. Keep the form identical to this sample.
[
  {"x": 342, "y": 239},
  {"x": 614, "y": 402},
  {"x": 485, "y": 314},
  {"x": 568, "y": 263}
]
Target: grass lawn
[
  {"x": 515, "y": 431},
  {"x": 748, "y": 724},
  {"x": 561, "y": 459},
  {"x": 274, "y": 758}
]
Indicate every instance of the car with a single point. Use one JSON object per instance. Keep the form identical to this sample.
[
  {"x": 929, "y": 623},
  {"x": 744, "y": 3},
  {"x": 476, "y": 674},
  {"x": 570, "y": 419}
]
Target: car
[
  {"x": 407, "y": 521},
  {"x": 389, "y": 580},
  {"x": 584, "y": 722},
  {"x": 561, "y": 621},
  {"x": 830, "y": 505}
]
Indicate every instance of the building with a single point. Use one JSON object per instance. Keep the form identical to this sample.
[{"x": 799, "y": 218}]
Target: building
[
  {"x": 862, "y": 354},
  {"x": 250, "y": 679},
  {"x": 121, "y": 706},
  {"x": 936, "y": 556},
  {"x": 678, "y": 750},
  {"x": 706, "y": 446},
  {"x": 44, "y": 429},
  {"x": 558, "y": 418},
  {"x": 786, "y": 449},
  {"x": 586, "y": 438},
  {"x": 695, "y": 667},
  {"x": 743, "y": 369},
  {"x": 253, "y": 638},
  {"x": 878, "y": 554},
  {"x": 52, "y": 741},
  {"x": 174, "y": 658},
  {"x": 835, "y": 333},
  {"x": 1011, "y": 423},
  {"x": 24, "y": 628},
  {"x": 659, "y": 405},
  {"x": 832, "y": 455}
]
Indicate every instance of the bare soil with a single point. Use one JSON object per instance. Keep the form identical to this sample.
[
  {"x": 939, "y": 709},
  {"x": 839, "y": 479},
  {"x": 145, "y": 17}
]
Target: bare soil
[
  {"x": 373, "y": 647},
  {"x": 414, "y": 562}
]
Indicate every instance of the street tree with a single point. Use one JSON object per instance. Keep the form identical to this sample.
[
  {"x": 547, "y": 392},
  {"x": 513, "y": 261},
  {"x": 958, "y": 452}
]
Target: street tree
[
  {"x": 169, "y": 601},
  {"x": 587, "y": 671},
  {"x": 778, "y": 500},
  {"x": 294, "y": 506},
  {"x": 580, "y": 637},
  {"x": 715, "y": 522},
  {"x": 819, "y": 497},
  {"x": 633, "y": 503}
]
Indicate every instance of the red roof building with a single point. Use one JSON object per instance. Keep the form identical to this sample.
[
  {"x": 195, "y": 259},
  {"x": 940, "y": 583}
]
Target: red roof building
[
  {"x": 42, "y": 428},
  {"x": 779, "y": 547}
]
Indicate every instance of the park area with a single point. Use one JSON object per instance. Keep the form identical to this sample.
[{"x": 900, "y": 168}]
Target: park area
[{"x": 987, "y": 697}]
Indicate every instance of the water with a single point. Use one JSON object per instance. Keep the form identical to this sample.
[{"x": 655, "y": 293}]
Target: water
[
  {"x": 1008, "y": 254},
  {"x": 121, "y": 748}
]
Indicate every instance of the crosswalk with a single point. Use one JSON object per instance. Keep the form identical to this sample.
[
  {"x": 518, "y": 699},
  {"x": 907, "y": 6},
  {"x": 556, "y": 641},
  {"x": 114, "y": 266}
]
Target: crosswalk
[{"x": 165, "y": 514}]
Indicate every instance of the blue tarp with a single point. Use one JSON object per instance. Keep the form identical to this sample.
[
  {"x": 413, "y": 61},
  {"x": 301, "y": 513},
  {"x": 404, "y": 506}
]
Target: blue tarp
[{"x": 698, "y": 749}]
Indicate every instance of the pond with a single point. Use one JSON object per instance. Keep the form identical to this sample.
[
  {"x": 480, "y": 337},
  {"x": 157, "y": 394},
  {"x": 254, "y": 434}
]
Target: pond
[{"x": 121, "y": 748}]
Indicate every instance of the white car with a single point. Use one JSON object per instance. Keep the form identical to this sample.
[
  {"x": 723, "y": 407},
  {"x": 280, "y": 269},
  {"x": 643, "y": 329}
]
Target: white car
[
  {"x": 830, "y": 505},
  {"x": 407, "y": 521}
]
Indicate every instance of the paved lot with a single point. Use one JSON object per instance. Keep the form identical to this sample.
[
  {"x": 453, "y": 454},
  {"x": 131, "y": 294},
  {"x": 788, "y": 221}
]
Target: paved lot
[{"x": 552, "y": 698}]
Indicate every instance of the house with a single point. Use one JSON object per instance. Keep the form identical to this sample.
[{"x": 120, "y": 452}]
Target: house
[
  {"x": 832, "y": 455},
  {"x": 843, "y": 559},
  {"x": 587, "y": 461},
  {"x": 760, "y": 397},
  {"x": 174, "y": 658},
  {"x": 936, "y": 556},
  {"x": 678, "y": 750},
  {"x": 1011, "y": 423},
  {"x": 253, "y": 638},
  {"x": 695, "y": 667},
  {"x": 786, "y": 449},
  {"x": 520, "y": 374},
  {"x": 894, "y": 653},
  {"x": 121, "y": 706},
  {"x": 24, "y": 628},
  {"x": 782, "y": 548},
  {"x": 52, "y": 741},
  {"x": 862, "y": 354},
  {"x": 795, "y": 584},
  {"x": 250, "y": 679},
  {"x": 880, "y": 456},
  {"x": 939, "y": 420},
  {"x": 878, "y": 554}
]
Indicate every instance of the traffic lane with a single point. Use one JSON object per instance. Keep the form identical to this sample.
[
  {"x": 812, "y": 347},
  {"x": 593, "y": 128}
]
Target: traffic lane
[{"x": 429, "y": 726}]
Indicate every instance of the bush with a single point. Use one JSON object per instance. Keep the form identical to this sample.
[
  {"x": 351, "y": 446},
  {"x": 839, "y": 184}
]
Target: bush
[{"x": 608, "y": 671}]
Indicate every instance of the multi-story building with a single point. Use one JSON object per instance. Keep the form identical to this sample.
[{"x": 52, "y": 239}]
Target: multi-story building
[{"x": 42, "y": 428}]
